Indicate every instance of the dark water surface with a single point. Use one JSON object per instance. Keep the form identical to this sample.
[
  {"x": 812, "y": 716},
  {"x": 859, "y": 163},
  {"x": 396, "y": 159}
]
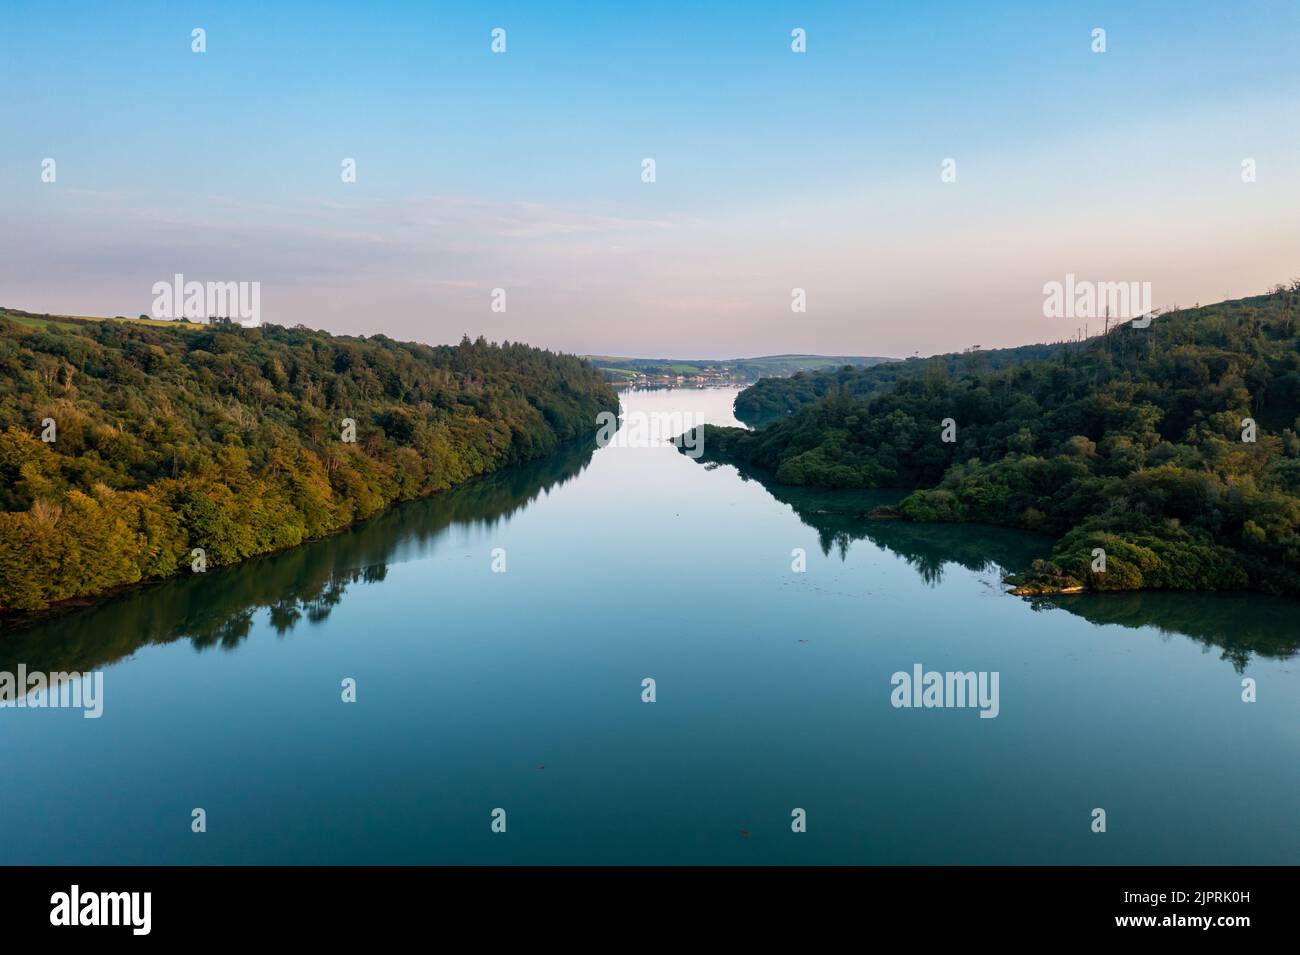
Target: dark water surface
[{"x": 522, "y": 690}]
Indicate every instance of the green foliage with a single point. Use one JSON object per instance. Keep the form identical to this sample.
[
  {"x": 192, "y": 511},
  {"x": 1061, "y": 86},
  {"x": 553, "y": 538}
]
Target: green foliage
[
  {"x": 1148, "y": 556},
  {"x": 773, "y": 398},
  {"x": 1131, "y": 443},
  {"x": 229, "y": 439}
]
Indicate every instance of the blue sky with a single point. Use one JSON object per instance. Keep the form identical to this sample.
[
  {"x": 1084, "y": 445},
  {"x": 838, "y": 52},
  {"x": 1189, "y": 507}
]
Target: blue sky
[{"x": 775, "y": 170}]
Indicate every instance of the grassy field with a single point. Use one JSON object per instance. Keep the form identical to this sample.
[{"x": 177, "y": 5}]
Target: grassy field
[
  {"x": 628, "y": 373},
  {"x": 33, "y": 322},
  {"x": 45, "y": 320}
]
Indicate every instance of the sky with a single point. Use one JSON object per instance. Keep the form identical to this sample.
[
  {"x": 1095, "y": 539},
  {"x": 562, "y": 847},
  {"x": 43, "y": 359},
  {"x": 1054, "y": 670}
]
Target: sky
[{"x": 774, "y": 170}]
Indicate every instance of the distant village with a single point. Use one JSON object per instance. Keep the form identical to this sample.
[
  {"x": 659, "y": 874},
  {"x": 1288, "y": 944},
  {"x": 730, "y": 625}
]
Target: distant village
[
  {"x": 720, "y": 375},
  {"x": 704, "y": 372}
]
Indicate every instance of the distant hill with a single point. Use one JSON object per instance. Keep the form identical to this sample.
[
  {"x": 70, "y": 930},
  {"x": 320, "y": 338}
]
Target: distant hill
[{"x": 732, "y": 369}]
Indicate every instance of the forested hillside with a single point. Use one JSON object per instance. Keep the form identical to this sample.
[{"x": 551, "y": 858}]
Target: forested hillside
[
  {"x": 769, "y": 399},
  {"x": 1171, "y": 449},
  {"x": 233, "y": 440}
]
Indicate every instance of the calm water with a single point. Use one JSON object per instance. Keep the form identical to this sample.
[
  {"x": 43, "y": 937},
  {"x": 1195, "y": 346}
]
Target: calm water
[{"x": 522, "y": 690}]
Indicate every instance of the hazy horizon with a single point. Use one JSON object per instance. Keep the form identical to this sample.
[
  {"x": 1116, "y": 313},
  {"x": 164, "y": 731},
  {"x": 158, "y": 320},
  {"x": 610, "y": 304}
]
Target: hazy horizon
[{"x": 775, "y": 170}]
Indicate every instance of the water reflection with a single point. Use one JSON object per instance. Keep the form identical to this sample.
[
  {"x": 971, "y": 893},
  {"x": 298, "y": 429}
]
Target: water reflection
[
  {"x": 838, "y": 518},
  {"x": 1239, "y": 625},
  {"x": 217, "y": 609},
  {"x": 304, "y": 585}
]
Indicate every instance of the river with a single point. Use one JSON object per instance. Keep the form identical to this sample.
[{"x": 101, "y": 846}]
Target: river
[{"x": 499, "y": 636}]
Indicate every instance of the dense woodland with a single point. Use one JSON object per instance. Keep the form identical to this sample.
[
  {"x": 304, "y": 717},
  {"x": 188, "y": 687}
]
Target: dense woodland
[
  {"x": 1132, "y": 443},
  {"x": 230, "y": 439},
  {"x": 772, "y": 398}
]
